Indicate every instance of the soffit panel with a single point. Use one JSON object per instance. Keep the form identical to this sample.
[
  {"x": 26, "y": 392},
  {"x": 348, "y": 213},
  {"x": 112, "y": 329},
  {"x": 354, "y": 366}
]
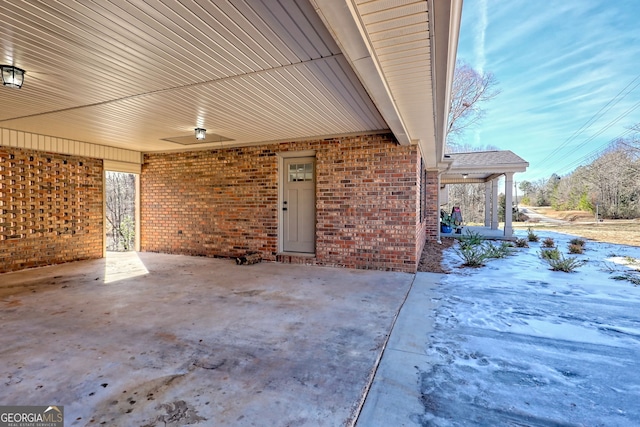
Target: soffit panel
[
  {"x": 320, "y": 101},
  {"x": 128, "y": 74},
  {"x": 399, "y": 33}
]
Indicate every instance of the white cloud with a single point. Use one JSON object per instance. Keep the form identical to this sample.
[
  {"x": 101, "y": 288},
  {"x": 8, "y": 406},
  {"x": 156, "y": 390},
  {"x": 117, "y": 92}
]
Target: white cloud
[
  {"x": 481, "y": 31},
  {"x": 557, "y": 65}
]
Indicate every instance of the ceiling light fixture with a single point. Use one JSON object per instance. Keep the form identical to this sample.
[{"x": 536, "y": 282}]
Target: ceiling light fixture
[
  {"x": 200, "y": 134},
  {"x": 12, "y": 76},
  {"x": 465, "y": 175}
]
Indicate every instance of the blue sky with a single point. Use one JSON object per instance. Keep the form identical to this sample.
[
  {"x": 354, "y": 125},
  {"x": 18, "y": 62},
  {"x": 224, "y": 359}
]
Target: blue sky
[{"x": 560, "y": 66}]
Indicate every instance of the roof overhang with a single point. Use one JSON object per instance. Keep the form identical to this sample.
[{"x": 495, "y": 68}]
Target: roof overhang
[
  {"x": 445, "y": 28},
  {"x": 481, "y": 166},
  {"x": 142, "y": 76},
  {"x": 404, "y": 54}
]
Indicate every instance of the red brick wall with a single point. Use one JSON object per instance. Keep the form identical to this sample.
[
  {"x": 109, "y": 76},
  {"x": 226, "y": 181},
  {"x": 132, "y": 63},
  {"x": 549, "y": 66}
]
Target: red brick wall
[
  {"x": 51, "y": 208},
  {"x": 224, "y": 202},
  {"x": 366, "y": 207},
  {"x": 421, "y": 224},
  {"x": 213, "y": 203},
  {"x": 432, "y": 220}
]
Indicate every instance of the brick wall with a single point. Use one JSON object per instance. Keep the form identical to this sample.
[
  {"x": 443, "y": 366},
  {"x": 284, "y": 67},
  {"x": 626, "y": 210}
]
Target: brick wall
[
  {"x": 213, "y": 203},
  {"x": 367, "y": 202},
  {"x": 51, "y": 208},
  {"x": 432, "y": 219},
  {"x": 421, "y": 213},
  {"x": 224, "y": 202}
]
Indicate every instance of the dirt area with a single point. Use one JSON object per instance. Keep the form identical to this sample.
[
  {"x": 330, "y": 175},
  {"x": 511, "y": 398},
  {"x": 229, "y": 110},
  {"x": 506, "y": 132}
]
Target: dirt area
[
  {"x": 431, "y": 258},
  {"x": 620, "y": 231},
  {"x": 623, "y": 232},
  {"x": 577, "y": 216}
]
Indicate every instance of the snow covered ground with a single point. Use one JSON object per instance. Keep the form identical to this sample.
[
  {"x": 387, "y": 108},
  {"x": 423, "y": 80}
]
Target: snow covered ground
[{"x": 516, "y": 344}]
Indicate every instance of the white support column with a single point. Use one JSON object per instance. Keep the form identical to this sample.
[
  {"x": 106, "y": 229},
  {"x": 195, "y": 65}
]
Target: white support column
[
  {"x": 137, "y": 214},
  {"x": 508, "y": 205},
  {"x": 487, "y": 204},
  {"x": 438, "y": 206},
  {"x": 494, "y": 204}
]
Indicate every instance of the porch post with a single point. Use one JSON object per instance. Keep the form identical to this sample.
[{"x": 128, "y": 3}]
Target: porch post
[
  {"x": 494, "y": 204},
  {"x": 487, "y": 204},
  {"x": 508, "y": 205}
]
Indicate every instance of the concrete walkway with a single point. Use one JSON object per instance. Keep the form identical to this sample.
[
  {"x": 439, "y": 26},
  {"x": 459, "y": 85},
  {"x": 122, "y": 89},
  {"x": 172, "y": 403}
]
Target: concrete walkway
[
  {"x": 539, "y": 218},
  {"x": 395, "y": 398},
  {"x": 515, "y": 344},
  {"x": 165, "y": 340}
]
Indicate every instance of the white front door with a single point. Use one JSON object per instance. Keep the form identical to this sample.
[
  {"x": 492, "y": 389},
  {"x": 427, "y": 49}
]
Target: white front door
[{"x": 299, "y": 205}]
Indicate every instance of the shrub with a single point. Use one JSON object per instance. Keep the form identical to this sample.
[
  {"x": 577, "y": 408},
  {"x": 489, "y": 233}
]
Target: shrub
[
  {"x": 471, "y": 238},
  {"x": 550, "y": 254},
  {"x": 548, "y": 243},
  {"x": 576, "y": 249},
  {"x": 521, "y": 243},
  {"x": 472, "y": 255},
  {"x": 495, "y": 251},
  {"x": 567, "y": 265},
  {"x": 630, "y": 277},
  {"x": 577, "y": 241},
  {"x": 533, "y": 237}
]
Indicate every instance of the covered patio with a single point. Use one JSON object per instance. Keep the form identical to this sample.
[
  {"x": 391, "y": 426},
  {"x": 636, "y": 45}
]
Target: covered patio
[
  {"x": 486, "y": 167},
  {"x": 144, "y": 339},
  {"x": 485, "y": 232}
]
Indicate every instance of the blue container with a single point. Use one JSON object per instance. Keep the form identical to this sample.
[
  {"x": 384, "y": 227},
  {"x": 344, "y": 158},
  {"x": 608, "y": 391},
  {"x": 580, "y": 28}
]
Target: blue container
[{"x": 445, "y": 229}]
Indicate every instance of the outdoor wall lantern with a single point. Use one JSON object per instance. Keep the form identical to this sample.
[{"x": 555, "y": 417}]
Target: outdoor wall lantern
[
  {"x": 200, "y": 134},
  {"x": 12, "y": 76}
]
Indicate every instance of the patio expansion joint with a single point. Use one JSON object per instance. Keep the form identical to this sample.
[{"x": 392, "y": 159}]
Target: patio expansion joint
[
  {"x": 376, "y": 366},
  {"x": 409, "y": 352}
]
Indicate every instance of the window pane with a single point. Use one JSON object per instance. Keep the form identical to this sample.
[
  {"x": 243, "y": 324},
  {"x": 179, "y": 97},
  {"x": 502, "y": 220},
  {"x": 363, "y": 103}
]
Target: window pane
[{"x": 300, "y": 172}]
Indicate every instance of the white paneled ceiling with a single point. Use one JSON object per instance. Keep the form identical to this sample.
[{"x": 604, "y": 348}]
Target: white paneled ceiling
[
  {"x": 132, "y": 74},
  {"x": 135, "y": 74}
]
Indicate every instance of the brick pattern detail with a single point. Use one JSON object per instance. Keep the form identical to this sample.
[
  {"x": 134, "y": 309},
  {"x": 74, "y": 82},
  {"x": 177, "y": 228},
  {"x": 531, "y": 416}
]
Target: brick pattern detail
[
  {"x": 421, "y": 223},
  {"x": 51, "y": 208},
  {"x": 432, "y": 219},
  {"x": 225, "y": 202},
  {"x": 367, "y": 205},
  {"x": 212, "y": 203}
]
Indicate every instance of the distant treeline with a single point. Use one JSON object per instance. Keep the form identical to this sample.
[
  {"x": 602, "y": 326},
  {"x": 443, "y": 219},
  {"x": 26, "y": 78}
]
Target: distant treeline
[{"x": 610, "y": 184}]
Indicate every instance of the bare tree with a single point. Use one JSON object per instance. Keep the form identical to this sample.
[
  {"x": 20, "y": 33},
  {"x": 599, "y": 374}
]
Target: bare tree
[
  {"x": 120, "y": 189},
  {"x": 611, "y": 182},
  {"x": 469, "y": 90},
  {"x": 614, "y": 175}
]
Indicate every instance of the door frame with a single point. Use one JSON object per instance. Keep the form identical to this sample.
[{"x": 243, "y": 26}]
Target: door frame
[
  {"x": 122, "y": 167},
  {"x": 281, "y": 184}
]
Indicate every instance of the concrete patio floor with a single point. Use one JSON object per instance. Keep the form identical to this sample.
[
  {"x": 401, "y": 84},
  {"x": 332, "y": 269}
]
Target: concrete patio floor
[{"x": 164, "y": 340}]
